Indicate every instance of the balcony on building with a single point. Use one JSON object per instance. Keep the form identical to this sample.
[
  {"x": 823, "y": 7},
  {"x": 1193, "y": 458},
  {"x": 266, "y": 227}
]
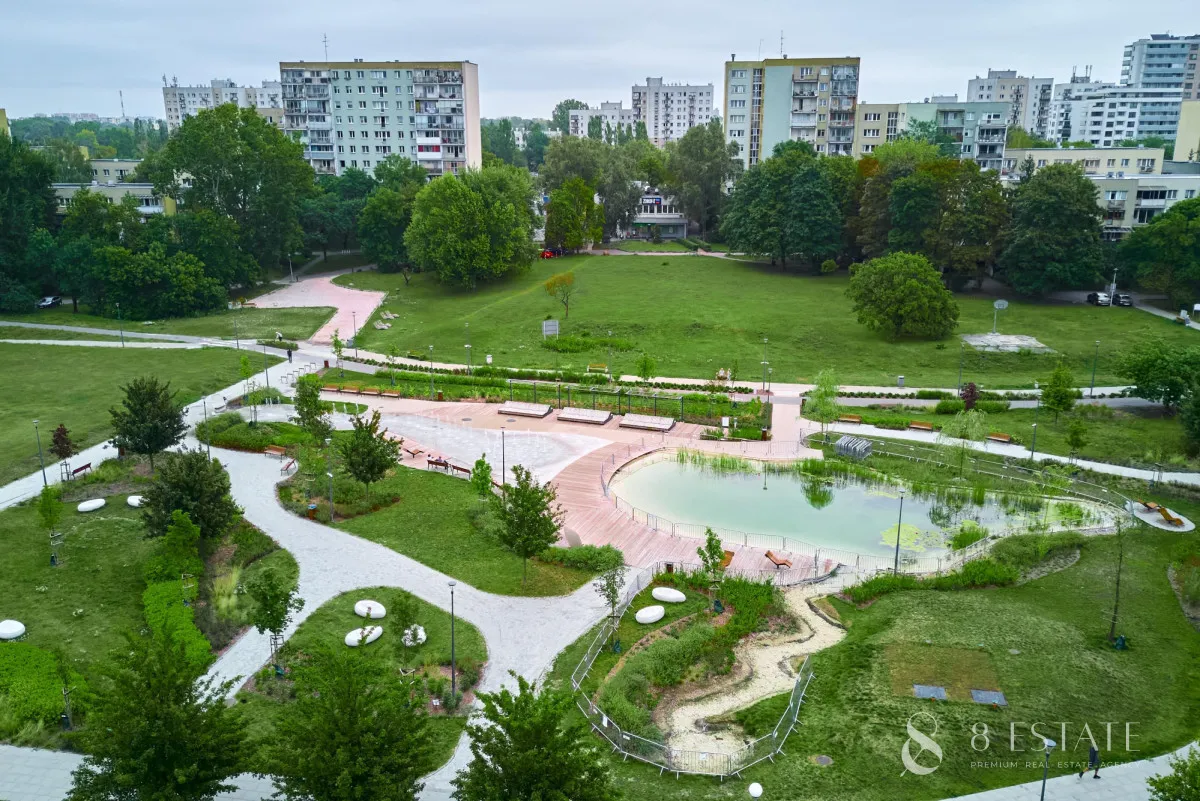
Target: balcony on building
[
  {"x": 991, "y": 135},
  {"x": 841, "y": 104},
  {"x": 805, "y": 120},
  {"x": 804, "y": 88}
]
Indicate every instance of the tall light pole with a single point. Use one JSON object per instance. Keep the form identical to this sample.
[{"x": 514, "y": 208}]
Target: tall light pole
[
  {"x": 503, "y": 464},
  {"x": 962, "y": 352},
  {"x": 237, "y": 343},
  {"x": 453, "y": 667},
  {"x": 1095, "y": 358},
  {"x": 266, "y": 368},
  {"x": 896, "y": 566},
  {"x": 41, "y": 460},
  {"x": 206, "y": 423},
  {"x": 354, "y": 329},
  {"x": 764, "y": 365},
  {"x": 120, "y": 324},
  {"x": 1050, "y": 744},
  {"x": 431, "y": 372},
  {"x": 468, "y": 347},
  {"x": 330, "y": 498},
  {"x": 1033, "y": 447}
]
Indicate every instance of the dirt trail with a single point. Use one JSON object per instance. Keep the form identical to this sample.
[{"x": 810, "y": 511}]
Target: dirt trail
[{"x": 763, "y": 668}]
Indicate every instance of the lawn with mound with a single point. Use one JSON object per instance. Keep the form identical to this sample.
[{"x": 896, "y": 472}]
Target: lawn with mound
[
  {"x": 247, "y": 323},
  {"x": 696, "y": 315}
]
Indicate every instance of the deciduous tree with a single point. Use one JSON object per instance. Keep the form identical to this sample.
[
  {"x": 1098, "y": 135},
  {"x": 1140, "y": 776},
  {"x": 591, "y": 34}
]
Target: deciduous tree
[
  {"x": 149, "y": 421},
  {"x": 1165, "y": 255},
  {"x": 196, "y": 485},
  {"x": 61, "y": 444},
  {"x": 902, "y": 295},
  {"x": 368, "y": 453},
  {"x": 699, "y": 165},
  {"x": 560, "y": 118},
  {"x": 562, "y": 288},
  {"x": 481, "y": 477},
  {"x": 382, "y": 225},
  {"x": 1059, "y": 393},
  {"x": 311, "y": 410},
  {"x": 529, "y": 519},
  {"x": 573, "y": 220},
  {"x": 275, "y": 601},
  {"x": 1160, "y": 372},
  {"x": 1182, "y": 783}
]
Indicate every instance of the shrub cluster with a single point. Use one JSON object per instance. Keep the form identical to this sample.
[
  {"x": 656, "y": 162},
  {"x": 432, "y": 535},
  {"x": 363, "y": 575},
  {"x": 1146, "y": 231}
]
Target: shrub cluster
[
  {"x": 580, "y": 343},
  {"x": 29, "y": 677},
  {"x": 592, "y": 558},
  {"x": 1023, "y": 551},
  {"x": 163, "y": 607},
  {"x": 229, "y": 430},
  {"x": 977, "y": 573}
]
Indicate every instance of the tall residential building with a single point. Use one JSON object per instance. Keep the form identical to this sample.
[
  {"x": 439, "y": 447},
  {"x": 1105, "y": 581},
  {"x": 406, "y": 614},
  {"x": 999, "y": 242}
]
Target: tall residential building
[
  {"x": 670, "y": 109},
  {"x": 186, "y": 101},
  {"x": 978, "y": 129},
  {"x": 1110, "y": 162},
  {"x": 1187, "y": 141},
  {"x": 1105, "y": 114},
  {"x": 783, "y": 99},
  {"x": 1163, "y": 62},
  {"x": 611, "y": 115},
  {"x": 357, "y": 113},
  {"x": 1029, "y": 98}
]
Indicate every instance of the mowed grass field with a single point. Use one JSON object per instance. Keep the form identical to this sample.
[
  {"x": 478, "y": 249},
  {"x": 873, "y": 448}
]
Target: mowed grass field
[
  {"x": 77, "y": 385},
  {"x": 295, "y": 324},
  {"x": 698, "y": 314}
]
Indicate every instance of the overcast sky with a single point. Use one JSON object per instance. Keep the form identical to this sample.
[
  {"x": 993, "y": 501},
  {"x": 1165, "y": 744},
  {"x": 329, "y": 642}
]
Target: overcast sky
[{"x": 74, "y": 55}]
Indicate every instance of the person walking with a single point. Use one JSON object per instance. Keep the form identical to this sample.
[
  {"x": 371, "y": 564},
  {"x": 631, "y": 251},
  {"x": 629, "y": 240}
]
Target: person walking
[{"x": 1093, "y": 763}]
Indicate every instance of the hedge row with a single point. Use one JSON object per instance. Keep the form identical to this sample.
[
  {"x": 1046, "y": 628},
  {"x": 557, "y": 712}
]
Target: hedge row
[
  {"x": 595, "y": 559},
  {"x": 29, "y": 678},
  {"x": 162, "y": 604}
]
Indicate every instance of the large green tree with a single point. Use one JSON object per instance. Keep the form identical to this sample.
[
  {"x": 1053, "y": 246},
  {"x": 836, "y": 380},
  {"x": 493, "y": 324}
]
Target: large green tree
[
  {"x": 156, "y": 730},
  {"x": 238, "y": 164},
  {"x": 1053, "y": 241},
  {"x": 618, "y": 187},
  {"x": 382, "y": 225},
  {"x": 536, "y": 142},
  {"x": 1165, "y": 255},
  {"x": 878, "y": 171},
  {"x": 525, "y": 749},
  {"x": 902, "y": 295},
  {"x": 700, "y": 163},
  {"x": 71, "y": 166},
  {"x": 26, "y": 205},
  {"x": 196, "y": 485},
  {"x": 500, "y": 140},
  {"x": 560, "y": 118},
  {"x": 573, "y": 220},
  {"x": 1160, "y": 371},
  {"x": 149, "y": 420},
  {"x": 397, "y": 171},
  {"x": 528, "y": 517},
  {"x": 570, "y": 157},
  {"x": 368, "y": 453}
]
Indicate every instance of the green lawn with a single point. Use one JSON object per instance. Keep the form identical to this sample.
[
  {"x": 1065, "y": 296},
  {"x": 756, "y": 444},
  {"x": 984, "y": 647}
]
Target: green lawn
[
  {"x": 247, "y": 324},
  {"x": 76, "y": 386},
  {"x": 1064, "y": 670},
  {"x": 338, "y": 261},
  {"x": 260, "y": 707},
  {"x": 12, "y": 332},
  {"x": 644, "y": 246},
  {"x": 700, "y": 314}
]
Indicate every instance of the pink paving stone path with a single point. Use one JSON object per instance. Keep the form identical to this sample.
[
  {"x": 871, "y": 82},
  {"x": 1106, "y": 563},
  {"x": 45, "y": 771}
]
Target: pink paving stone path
[{"x": 353, "y": 305}]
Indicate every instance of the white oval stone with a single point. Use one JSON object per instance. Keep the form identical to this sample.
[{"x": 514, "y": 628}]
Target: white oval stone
[
  {"x": 650, "y": 614},
  {"x": 755, "y": 790},
  {"x": 370, "y": 609},
  {"x": 11, "y": 629},
  {"x": 363, "y": 636},
  {"x": 668, "y": 595},
  {"x": 413, "y": 635},
  {"x": 134, "y": 500},
  {"x": 92, "y": 505}
]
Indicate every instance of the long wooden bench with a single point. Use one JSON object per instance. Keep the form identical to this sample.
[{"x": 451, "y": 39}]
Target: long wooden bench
[
  {"x": 996, "y": 436},
  {"x": 390, "y": 394},
  {"x": 85, "y": 468},
  {"x": 574, "y": 414},
  {"x": 777, "y": 561},
  {"x": 647, "y": 422},
  {"x": 850, "y": 418},
  {"x": 276, "y": 450},
  {"x": 597, "y": 368},
  {"x": 441, "y": 464},
  {"x": 369, "y": 391},
  {"x": 1151, "y": 506},
  {"x": 520, "y": 409},
  {"x": 919, "y": 426},
  {"x": 331, "y": 388}
]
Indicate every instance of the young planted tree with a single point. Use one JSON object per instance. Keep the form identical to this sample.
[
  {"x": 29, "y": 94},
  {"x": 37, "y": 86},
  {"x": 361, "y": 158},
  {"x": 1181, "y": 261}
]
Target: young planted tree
[
  {"x": 50, "y": 508},
  {"x": 1120, "y": 534},
  {"x": 646, "y": 366},
  {"x": 609, "y": 585},
  {"x": 822, "y": 402},
  {"x": 156, "y": 729},
  {"x": 148, "y": 421},
  {"x": 61, "y": 444},
  {"x": 1076, "y": 435},
  {"x": 1059, "y": 393},
  {"x": 711, "y": 554},
  {"x": 311, "y": 410},
  {"x": 481, "y": 477},
  {"x": 969, "y": 395},
  {"x": 1189, "y": 416},
  {"x": 339, "y": 347},
  {"x": 368, "y": 453},
  {"x": 275, "y": 602},
  {"x": 393, "y": 353},
  {"x": 192, "y": 483},
  {"x": 529, "y": 519},
  {"x": 1182, "y": 783},
  {"x": 562, "y": 288},
  {"x": 525, "y": 750},
  {"x": 961, "y": 430},
  {"x": 356, "y": 731}
]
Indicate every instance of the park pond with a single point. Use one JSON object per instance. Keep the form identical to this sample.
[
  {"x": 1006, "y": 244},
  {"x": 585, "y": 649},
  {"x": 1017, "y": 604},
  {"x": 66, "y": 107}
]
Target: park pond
[{"x": 842, "y": 511}]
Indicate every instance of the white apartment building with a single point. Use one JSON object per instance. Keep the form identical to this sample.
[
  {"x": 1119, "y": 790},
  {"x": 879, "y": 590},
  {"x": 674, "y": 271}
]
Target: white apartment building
[
  {"x": 1136, "y": 200},
  {"x": 1103, "y": 162},
  {"x": 1029, "y": 98},
  {"x": 182, "y": 102},
  {"x": 670, "y": 109},
  {"x": 610, "y": 114},
  {"x": 1107, "y": 113},
  {"x": 357, "y": 113},
  {"x": 1163, "y": 62}
]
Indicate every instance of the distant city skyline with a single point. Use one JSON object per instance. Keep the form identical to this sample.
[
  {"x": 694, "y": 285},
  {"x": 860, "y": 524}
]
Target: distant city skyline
[{"x": 531, "y": 57}]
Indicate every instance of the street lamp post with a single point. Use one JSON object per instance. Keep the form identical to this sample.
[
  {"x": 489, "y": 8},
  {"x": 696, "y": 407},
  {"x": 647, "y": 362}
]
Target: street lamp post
[
  {"x": 431, "y": 372},
  {"x": 266, "y": 368},
  {"x": 1050, "y": 744},
  {"x": 1033, "y": 447},
  {"x": 41, "y": 460},
  {"x": 121, "y": 325},
  {"x": 206, "y": 423},
  {"x": 764, "y": 365},
  {"x": 962, "y": 352},
  {"x": 354, "y": 329},
  {"x": 896, "y": 566},
  {"x": 453, "y": 670},
  {"x": 468, "y": 347},
  {"x": 1096, "y": 358},
  {"x": 330, "y": 498},
  {"x": 503, "y": 463},
  {"x": 237, "y": 342}
]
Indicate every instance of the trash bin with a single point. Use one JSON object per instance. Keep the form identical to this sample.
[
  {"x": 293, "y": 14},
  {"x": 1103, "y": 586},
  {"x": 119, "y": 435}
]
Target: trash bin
[
  {"x": 439, "y": 394},
  {"x": 327, "y": 364},
  {"x": 312, "y": 511},
  {"x": 900, "y": 381}
]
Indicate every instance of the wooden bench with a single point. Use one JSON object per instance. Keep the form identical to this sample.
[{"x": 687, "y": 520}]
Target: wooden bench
[
  {"x": 413, "y": 452},
  {"x": 1151, "y": 506},
  {"x": 524, "y": 409},
  {"x": 597, "y": 368},
  {"x": 647, "y": 422},
  {"x": 996, "y": 436},
  {"x": 573, "y": 414},
  {"x": 441, "y": 464},
  {"x": 369, "y": 391},
  {"x": 850, "y": 418},
  {"x": 726, "y": 559},
  {"x": 1170, "y": 518},
  {"x": 283, "y": 470},
  {"x": 390, "y": 394},
  {"x": 275, "y": 450},
  {"x": 775, "y": 560},
  {"x": 458, "y": 469},
  {"x": 331, "y": 389},
  {"x": 918, "y": 426},
  {"x": 85, "y": 468}
]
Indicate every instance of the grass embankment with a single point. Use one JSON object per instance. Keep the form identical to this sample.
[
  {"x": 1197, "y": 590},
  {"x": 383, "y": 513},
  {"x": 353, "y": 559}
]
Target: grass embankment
[
  {"x": 646, "y": 246},
  {"x": 247, "y": 324},
  {"x": 427, "y": 664},
  {"x": 695, "y": 316},
  {"x": 76, "y": 386},
  {"x": 22, "y": 332}
]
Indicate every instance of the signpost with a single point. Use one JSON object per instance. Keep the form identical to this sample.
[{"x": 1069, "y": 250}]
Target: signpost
[
  {"x": 997, "y": 307},
  {"x": 549, "y": 328}
]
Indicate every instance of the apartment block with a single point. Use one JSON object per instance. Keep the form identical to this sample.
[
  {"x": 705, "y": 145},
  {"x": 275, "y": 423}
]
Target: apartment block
[
  {"x": 1163, "y": 62},
  {"x": 148, "y": 202},
  {"x": 357, "y": 113},
  {"x": 670, "y": 109},
  {"x": 182, "y": 102},
  {"x": 978, "y": 129},
  {"x": 1105, "y": 162},
  {"x": 612, "y": 115},
  {"x": 1104, "y": 114},
  {"x": 1028, "y": 98},
  {"x": 1136, "y": 200},
  {"x": 790, "y": 99},
  {"x": 1187, "y": 140},
  {"x": 107, "y": 171}
]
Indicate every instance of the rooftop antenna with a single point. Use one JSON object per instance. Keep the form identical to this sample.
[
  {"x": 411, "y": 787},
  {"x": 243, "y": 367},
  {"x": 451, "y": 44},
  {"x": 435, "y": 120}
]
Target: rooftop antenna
[
  {"x": 325, "y": 41},
  {"x": 121, "y": 93},
  {"x": 760, "y": 41},
  {"x": 781, "y": 55}
]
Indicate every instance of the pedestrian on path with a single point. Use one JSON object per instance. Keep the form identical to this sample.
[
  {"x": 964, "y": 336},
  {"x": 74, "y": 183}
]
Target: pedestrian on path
[{"x": 1093, "y": 762}]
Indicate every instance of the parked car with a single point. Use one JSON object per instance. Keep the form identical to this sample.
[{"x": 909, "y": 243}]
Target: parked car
[
  {"x": 49, "y": 302},
  {"x": 1122, "y": 299},
  {"x": 1099, "y": 299}
]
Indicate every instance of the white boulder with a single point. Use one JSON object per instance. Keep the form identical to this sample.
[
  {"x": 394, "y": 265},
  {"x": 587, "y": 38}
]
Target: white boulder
[
  {"x": 370, "y": 609},
  {"x": 11, "y": 629},
  {"x": 134, "y": 500},
  {"x": 364, "y": 636},
  {"x": 668, "y": 595},
  {"x": 92, "y": 505},
  {"x": 650, "y": 614},
  {"x": 413, "y": 635}
]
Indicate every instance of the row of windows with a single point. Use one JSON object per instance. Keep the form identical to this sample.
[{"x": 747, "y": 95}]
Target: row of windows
[
  {"x": 375, "y": 90},
  {"x": 367, "y": 149}
]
